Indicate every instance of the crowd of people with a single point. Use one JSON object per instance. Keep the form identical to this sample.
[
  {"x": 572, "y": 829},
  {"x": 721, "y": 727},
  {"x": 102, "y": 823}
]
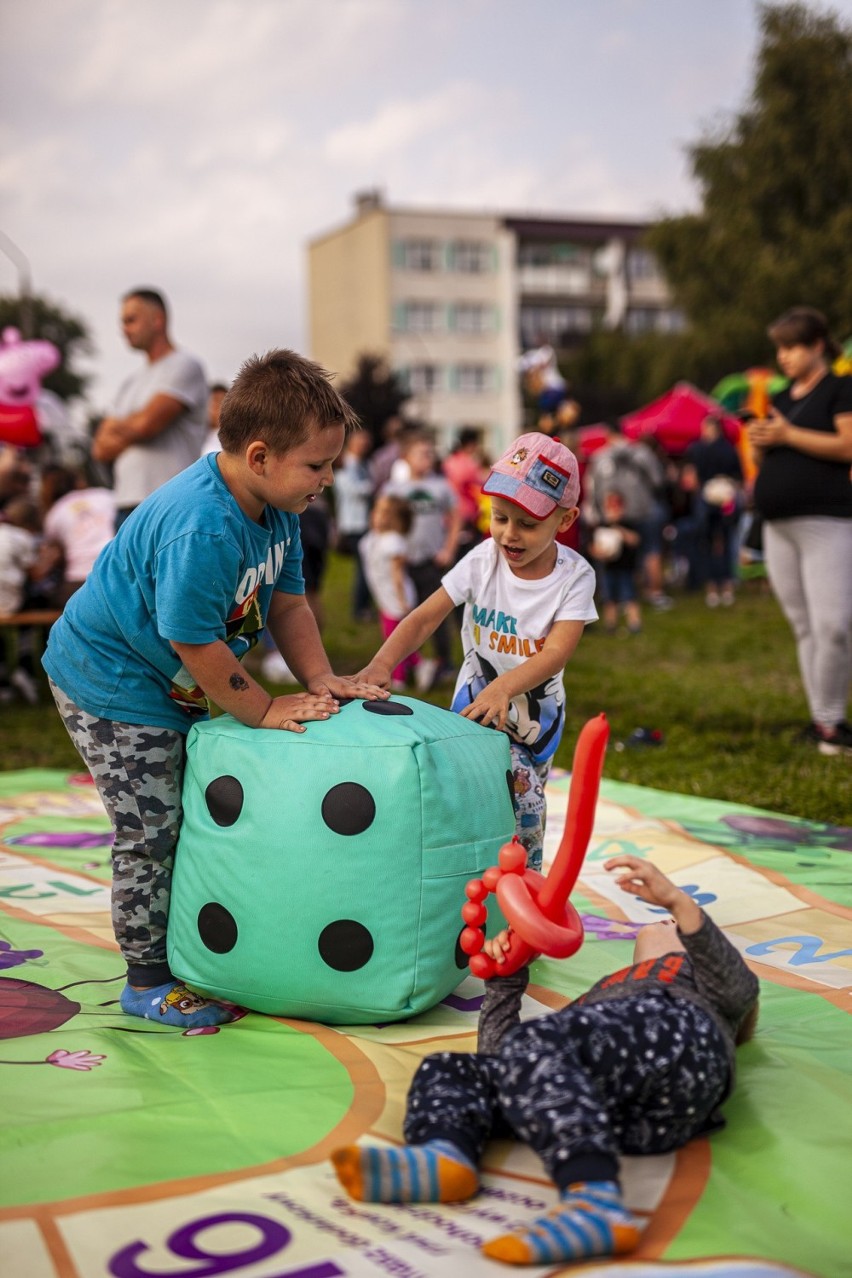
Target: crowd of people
[{"x": 652, "y": 525}]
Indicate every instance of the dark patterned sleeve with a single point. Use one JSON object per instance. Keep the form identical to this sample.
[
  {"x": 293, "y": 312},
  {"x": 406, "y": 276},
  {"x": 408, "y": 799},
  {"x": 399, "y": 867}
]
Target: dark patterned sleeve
[
  {"x": 720, "y": 971},
  {"x": 501, "y": 1010}
]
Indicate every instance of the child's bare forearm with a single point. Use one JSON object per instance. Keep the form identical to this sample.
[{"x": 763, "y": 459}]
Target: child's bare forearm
[
  {"x": 554, "y": 656},
  {"x": 297, "y": 637},
  {"x": 215, "y": 669},
  {"x": 686, "y": 913},
  {"x": 411, "y": 633}
]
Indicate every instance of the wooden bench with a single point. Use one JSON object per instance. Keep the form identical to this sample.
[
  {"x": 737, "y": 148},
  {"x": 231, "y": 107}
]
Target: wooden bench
[{"x": 34, "y": 617}]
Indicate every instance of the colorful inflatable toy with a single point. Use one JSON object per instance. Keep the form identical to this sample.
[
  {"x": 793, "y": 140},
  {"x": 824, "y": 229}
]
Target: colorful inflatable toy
[
  {"x": 748, "y": 393},
  {"x": 22, "y": 366},
  {"x": 318, "y": 875},
  {"x": 542, "y": 919}
]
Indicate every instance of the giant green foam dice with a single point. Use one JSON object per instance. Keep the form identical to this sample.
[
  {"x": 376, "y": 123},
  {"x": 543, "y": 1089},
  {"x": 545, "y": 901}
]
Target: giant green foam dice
[{"x": 321, "y": 874}]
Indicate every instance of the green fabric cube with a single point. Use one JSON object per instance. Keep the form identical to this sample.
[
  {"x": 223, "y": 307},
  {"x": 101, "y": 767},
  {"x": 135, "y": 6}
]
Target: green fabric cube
[{"x": 321, "y": 874}]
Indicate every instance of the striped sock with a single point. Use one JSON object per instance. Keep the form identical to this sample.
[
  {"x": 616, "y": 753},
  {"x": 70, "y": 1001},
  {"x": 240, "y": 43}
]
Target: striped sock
[
  {"x": 436, "y": 1172},
  {"x": 589, "y": 1221}
]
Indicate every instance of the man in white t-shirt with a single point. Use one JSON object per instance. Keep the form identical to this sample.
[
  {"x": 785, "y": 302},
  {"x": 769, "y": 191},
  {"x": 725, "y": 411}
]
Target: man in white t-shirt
[{"x": 159, "y": 415}]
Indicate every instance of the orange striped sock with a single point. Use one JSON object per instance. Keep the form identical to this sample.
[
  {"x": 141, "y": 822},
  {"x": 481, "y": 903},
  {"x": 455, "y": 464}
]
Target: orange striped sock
[
  {"x": 436, "y": 1172},
  {"x": 589, "y": 1221}
]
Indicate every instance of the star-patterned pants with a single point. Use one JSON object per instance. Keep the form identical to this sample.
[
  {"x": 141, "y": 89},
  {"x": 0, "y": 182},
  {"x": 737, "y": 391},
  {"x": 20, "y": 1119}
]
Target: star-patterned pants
[
  {"x": 640, "y": 1075},
  {"x": 528, "y": 782}
]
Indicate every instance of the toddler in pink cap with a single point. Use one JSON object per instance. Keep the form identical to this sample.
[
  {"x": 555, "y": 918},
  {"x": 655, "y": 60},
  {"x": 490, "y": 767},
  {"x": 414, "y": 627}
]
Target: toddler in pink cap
[{"x": 527, "y": 600}]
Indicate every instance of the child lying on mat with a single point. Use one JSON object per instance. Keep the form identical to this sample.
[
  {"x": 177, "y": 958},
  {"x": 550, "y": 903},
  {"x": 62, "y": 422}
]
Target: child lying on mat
[{"x": 639, "y": 1064}]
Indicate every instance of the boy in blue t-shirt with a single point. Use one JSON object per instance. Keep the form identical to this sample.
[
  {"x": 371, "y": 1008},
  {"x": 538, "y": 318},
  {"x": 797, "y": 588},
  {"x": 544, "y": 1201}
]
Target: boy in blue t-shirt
[{"x": 156, "y": 634}]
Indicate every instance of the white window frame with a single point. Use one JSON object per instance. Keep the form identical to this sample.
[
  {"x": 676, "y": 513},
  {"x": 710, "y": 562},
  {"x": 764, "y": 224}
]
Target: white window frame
[
  {"x": 421, "y": 254},
  {"x": 472, "y": 317},
  {"x": 424, "y": 378},
  {"x": 471, "y": 257},
  {"x": 422, "y": 316},
  {"x": 473, "y": 379}
]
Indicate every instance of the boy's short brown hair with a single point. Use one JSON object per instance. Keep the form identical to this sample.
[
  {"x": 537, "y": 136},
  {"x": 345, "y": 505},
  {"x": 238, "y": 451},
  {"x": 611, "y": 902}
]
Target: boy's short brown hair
[{"x": 281, "y": 398}]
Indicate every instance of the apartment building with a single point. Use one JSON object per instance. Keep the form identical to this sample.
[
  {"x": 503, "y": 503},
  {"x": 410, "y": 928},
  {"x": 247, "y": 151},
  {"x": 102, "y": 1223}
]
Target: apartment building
[{"x": 450, "y": 299}]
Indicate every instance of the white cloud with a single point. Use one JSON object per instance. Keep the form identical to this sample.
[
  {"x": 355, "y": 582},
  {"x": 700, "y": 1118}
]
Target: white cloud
[
  {"x": 399, "y": 123},
  {"x": 198, "y": 145}
]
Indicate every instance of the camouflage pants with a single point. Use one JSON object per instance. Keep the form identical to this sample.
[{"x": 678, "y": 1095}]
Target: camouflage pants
[
  {"x": 528, "y": 780},
  {"x": 138, "y": 772}
]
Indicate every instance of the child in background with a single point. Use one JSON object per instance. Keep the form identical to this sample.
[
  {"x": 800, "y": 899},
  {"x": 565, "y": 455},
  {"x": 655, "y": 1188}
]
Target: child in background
[
  {"x": 434, "y": 536},
  {"x": 26, "y": 565},
  {"x": 615, "y": 549},
  {"x": 19, "y": 541},
  {"x": 526, "y": 602},
  {"x": 639, "y": 1064},
  {"x": 353, "y": 496},
  {"x": 383, "y": 555},
  {"x": 157, "y": 631},
  {"x": 79, "y": 519}
]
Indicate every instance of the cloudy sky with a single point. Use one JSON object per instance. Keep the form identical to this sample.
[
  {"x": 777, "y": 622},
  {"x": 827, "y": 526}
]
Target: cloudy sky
[{"x": 197, "y": 145}]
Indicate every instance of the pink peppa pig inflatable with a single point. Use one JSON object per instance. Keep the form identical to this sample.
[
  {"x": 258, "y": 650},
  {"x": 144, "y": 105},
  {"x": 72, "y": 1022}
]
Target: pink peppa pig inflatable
[{"x": 22, "y": 366}]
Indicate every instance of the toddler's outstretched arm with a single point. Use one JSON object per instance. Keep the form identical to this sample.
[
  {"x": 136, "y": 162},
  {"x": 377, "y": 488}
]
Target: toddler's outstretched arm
[
  {"x": 411, "y": 633},
  {"x": 644, "y": 880},
  {"x": 721, "y": 973}
]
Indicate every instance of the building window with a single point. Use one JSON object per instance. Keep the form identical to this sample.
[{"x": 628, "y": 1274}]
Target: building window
[
  {"x": 421, "y": 255},
  {"x": 553, "y": 324},
  {"x": 424, "y": 379},
  {"x": 472, "y": 379},
  {"x": 640, "y": 319},
  {"x": 542, "y": 253},
  {"x": 672, "y": 321},
  {"x": 642, "y": 265},
  {"x": 472, "y": 317},
  {"x": 651, "y": 319},
  {"x": 471, "y": 256},
  {"x": 420, "y": 317}
]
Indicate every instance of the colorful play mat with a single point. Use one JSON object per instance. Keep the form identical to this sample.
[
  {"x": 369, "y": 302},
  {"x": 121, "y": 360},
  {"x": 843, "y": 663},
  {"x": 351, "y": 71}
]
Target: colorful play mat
[{"x": 143, "y": 1152}]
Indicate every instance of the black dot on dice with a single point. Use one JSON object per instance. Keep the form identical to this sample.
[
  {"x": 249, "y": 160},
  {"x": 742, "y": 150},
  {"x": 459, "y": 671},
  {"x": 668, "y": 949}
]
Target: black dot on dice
[
  {"x": 348, "y": 808},
  {"x": 224, "y": 799},
  {"x": 346, "y": 945},
  {"x": 217, "y": 927}
]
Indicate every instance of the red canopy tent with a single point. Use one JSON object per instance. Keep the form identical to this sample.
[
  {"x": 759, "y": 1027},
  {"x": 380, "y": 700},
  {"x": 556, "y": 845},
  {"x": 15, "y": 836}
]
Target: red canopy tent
[{"x": 675, "y": 419}]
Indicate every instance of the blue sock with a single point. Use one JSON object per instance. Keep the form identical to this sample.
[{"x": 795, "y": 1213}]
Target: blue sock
[{"x": 173, "y": 1004}]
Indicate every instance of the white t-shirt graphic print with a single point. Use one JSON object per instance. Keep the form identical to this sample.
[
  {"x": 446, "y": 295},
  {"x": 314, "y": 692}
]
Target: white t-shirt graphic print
[{"x": 506, "y": 621}]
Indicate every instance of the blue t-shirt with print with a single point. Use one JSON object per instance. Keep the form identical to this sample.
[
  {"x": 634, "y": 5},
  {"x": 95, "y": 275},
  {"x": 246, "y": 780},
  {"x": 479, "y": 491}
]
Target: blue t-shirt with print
[{"x": 188, "y": 565}]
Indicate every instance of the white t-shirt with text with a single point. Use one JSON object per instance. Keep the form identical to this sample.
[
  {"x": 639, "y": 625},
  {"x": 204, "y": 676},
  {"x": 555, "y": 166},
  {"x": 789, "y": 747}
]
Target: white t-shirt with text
[{"x": 506, "y": 621}]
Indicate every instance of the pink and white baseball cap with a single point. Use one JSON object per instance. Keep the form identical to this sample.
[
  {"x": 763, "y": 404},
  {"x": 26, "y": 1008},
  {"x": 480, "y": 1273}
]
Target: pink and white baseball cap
[{"x": 538, "y": 474}]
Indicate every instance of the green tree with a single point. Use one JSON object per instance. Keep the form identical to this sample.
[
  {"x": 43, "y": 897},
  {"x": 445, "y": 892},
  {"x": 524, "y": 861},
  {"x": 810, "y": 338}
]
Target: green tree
[
  {"x": 41, "y": 318},
  {"x": 776, "y": 187},
  {"x": 775, "y": 223},
  {"x": 375, "y": 393}
]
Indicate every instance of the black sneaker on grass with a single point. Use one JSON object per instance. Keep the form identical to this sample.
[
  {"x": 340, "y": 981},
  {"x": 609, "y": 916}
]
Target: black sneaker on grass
[{"x": 834, "y": 741}]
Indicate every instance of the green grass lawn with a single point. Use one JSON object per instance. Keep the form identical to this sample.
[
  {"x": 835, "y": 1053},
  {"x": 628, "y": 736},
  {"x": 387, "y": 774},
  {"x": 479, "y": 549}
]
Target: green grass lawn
[{"x": 722, "y": 686}]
